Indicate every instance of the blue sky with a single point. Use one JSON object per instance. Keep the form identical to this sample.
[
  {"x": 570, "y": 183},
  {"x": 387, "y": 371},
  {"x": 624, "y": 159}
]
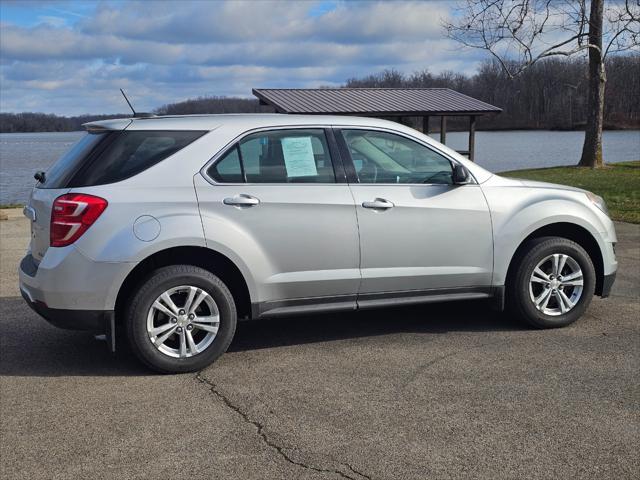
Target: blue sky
[{"x": 72, "y": 57}]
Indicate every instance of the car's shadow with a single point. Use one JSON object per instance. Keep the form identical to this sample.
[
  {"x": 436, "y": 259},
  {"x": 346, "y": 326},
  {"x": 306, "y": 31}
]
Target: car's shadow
[
  {"x": 420, "y": 319},
  {"x": 31, "y": 347}
]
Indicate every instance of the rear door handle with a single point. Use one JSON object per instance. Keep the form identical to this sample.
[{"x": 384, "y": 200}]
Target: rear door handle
[
  {"x": 378, "y": 204},
  {"x": 242, "y": 200}
]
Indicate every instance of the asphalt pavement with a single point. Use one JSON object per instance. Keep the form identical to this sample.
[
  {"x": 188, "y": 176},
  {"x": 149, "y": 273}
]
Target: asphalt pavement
[{"x": 435, "y": 391}]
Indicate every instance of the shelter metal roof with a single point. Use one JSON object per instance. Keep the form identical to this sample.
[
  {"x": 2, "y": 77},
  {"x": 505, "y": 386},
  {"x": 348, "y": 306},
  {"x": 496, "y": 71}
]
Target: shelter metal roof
[{"x": 373, "y": 101}]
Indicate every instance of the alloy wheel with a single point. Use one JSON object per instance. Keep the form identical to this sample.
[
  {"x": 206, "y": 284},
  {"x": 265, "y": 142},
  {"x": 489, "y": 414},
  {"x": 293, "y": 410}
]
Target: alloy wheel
[
  {"x": 183, "y": 321},
  {"x": 556, "y": 284}
]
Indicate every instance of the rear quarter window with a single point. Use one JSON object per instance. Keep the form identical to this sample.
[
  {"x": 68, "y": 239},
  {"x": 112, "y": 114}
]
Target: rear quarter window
[
  {"x": 60, "y": 173},
  {"x": 111, "y": 157}
]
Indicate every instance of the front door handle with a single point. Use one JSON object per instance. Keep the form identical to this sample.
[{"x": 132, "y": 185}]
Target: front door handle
[
  {"x": 378, "y": 204},
  {"x": 242, "y": 200}
]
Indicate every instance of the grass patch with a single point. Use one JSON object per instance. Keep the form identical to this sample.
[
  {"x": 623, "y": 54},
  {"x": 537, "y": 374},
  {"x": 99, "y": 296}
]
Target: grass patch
[
  {"x": 10, "y": 205},
  {"x": 618, "y": 184}
]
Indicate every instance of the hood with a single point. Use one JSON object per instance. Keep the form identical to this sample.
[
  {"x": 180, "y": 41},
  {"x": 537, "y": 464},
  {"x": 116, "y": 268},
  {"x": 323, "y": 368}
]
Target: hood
[
  {"x": 521, "y": 182},
  {"x": 555, "y": 186}
]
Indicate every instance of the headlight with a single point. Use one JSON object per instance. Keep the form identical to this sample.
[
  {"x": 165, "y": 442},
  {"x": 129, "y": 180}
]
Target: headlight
[{"x": 598, "y": 201}]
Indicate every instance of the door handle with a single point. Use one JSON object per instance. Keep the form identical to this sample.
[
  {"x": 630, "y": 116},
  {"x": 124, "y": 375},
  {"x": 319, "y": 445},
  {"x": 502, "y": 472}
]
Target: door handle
[
  {"x": 378, "y": 204},
  {"x": 242, "y": 200}
]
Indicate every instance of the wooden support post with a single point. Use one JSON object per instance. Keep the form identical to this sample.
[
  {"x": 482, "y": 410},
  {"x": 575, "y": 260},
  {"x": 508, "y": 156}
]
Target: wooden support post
[
  {"x": 425, "y": 125},
  {"x": 472, "y": 137},
  {"x": 443, "y": 130}
]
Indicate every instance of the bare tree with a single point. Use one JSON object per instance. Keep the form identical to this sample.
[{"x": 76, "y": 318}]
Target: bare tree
[{"x": 520, "y": 33}]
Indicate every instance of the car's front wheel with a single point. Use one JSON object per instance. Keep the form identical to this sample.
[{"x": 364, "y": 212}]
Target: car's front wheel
[
  {"x": 552, "y": 284},
  {"x": 181, "y": 319}
]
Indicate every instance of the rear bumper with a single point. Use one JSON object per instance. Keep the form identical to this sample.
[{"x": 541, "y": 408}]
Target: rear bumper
[
  {"x": 90, "y": 320},
  {"x": 607, "y": 284},
  {"x": 66, "y": 279},
  {"x": 96, "y": 321},
  {"x": 71, "y": 291}
]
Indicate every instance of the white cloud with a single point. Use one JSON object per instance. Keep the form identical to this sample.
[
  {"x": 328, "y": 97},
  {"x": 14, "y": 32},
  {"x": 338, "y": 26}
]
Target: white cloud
[
  {"x": 52, "y": 20},
  {"x": 168, "y": 51}
]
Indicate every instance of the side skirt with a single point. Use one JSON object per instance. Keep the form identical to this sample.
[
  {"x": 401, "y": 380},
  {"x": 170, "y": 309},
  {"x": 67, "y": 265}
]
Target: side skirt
[
  {"x": 314, "y": 305},
  {"x": 386, "y": 299},
  {"x": 304, "y": 306}
]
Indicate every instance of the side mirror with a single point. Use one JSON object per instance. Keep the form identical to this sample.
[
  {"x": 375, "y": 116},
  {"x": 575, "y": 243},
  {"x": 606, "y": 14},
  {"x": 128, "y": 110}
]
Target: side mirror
[{"x": 460, "y": 174}]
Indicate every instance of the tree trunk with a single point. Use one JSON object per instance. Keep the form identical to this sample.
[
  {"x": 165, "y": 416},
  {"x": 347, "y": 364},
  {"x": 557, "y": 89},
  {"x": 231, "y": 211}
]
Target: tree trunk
[{"x": 592, "y": 148}]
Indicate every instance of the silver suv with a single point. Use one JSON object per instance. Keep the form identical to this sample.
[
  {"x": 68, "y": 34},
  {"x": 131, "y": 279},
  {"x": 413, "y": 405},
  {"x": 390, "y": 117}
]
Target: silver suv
[{"x": 169, "y": 229}]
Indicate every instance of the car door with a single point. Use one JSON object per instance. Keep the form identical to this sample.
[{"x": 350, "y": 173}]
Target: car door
[
  {"x": 419, "y": 233},
  {"x": 279, "y": 200}
]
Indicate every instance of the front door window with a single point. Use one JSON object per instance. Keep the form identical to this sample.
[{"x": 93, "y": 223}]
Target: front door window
[{"x": 381, "y": 157}]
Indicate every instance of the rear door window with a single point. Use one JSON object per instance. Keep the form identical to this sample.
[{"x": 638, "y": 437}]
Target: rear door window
[
  {"x": 277, "y": 156},
  {"x": 109, "y": 157}
]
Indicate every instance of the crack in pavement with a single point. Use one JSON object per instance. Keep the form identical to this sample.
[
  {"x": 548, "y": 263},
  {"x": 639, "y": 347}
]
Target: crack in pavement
[
  {"x": 425, "y": 366},
  {"x": 270, "y": 443},
  {"x": 421, "y": 368}
]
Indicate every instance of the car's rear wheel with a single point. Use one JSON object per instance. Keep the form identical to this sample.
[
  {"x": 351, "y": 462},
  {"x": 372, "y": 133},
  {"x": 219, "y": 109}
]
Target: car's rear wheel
[
  {"x": 552, "y": 284},
  {"x": 181, "y": 319}
]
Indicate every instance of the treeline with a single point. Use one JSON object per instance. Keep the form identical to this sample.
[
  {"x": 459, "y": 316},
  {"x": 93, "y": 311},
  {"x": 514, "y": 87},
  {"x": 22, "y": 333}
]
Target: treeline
[
  {"x": 551, "y": 94},
  {"x": 44, "y": 122},
  {"x": 203, "y": 105}
]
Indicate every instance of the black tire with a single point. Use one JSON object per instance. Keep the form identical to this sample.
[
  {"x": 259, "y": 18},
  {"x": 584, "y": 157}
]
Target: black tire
[
  {"x": 518, "y": 295},
  {"x": 160, "y": 281}
]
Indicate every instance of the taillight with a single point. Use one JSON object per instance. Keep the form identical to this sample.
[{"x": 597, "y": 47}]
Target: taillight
[{"x": 72, "y": 215}]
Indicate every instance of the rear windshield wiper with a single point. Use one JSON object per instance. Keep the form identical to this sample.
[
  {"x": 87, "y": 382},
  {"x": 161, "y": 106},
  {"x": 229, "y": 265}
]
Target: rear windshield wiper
[{"x": 39, "y": 176}]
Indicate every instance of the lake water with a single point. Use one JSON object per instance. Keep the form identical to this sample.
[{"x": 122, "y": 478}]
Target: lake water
[{"x": 22, "y": 154}]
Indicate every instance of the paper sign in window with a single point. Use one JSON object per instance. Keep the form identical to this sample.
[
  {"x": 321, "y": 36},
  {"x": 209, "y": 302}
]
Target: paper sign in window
[{"x": 298, "y": 157}]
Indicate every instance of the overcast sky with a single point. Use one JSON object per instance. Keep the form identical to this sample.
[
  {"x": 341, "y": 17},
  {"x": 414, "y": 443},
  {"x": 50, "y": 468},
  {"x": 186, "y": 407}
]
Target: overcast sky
[{"x": 71, "y": 57}]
